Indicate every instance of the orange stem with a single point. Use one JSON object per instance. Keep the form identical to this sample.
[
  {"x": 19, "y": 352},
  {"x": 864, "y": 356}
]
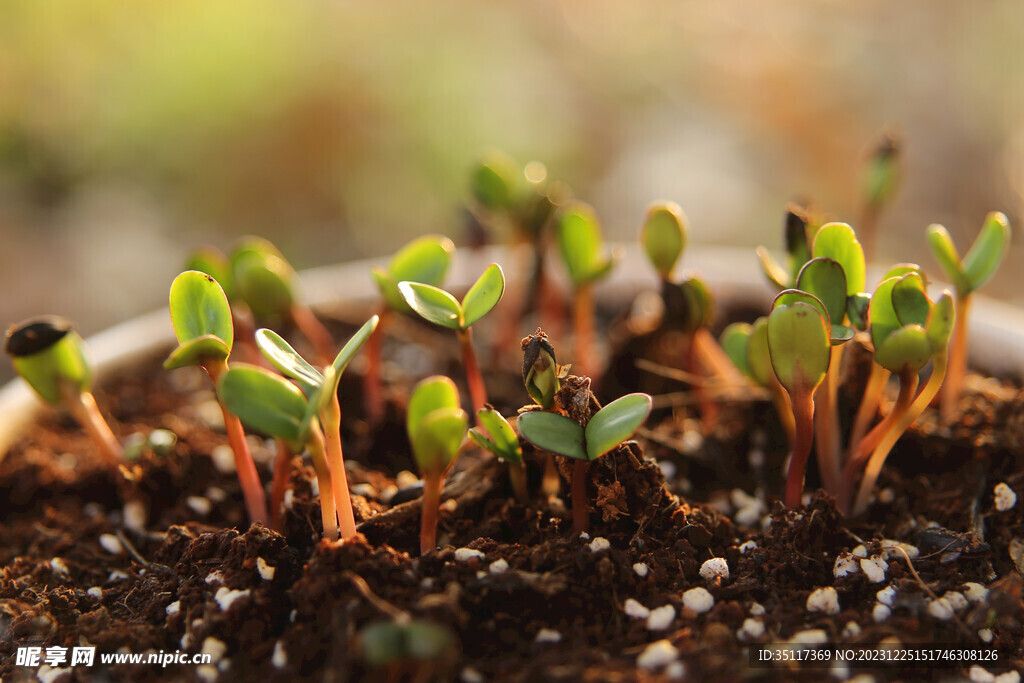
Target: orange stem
[
  {"x": 331, "y": 418},
  {"x": 957, "y": 362},
  {"x": 868, "y": 404},
  {"x": 803, "y": 416},
  {"x": 477, "y": 390},
  {"x": 83, "y": 408},
  {"x": 317, "y": 452},
  {"x": 431, "y": 509}
]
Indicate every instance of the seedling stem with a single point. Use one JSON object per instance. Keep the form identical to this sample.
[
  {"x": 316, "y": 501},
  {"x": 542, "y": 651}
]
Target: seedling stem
[
  {"x": 83, "y": 408},
  {"x": 331, "y": 418},
  {"x": 803, "y": 417},
  {"x": 432, "y": 482},
  {"x": 475, "y": 381}
]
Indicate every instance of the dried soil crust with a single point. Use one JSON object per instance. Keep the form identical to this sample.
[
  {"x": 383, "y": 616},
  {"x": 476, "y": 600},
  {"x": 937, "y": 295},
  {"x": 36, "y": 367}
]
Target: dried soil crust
[{"x": 287, "y": 607}]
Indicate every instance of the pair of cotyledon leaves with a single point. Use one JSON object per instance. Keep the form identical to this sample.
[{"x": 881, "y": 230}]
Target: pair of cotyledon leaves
[
  {"x": 608, "y": 428},
  {"x": 436, "y": 423},
  {"x": 982, "y": 259},
  {"x": 425, "y": 260},
  {"x": 256, "y": 273}
]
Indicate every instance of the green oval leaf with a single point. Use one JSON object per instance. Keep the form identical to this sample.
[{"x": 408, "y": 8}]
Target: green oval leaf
[
  {"x": 840, "y": 334},
  {"x": 798, "y": 343},
  {"x": 265, "y": 282},
  {"x": 494, "y": 181},
  {"x": 664, "y": 236},
  {"x": 432, "y": 304},
  {"x": 909, "y": 301},
  {"x": 615, "y": 423},
  {"x": 432, "y": 393},
  {"x": 985, "y": 255},
  {"x": 61, "y": 363},
  {"x": 824, "y": 278},
  {"x": 908, "y": 348},
  {"x": 425, "y": 260},
  {"x": 264, "y": 401},
  {"x": 287, "y": 360},
  {"x": 579, "y": 237},
  {"x": 734, "y": 340},
  {"x": 554, "y": 433},
  {"x": 351, "y": 348},
  {"x": 789, "y": 297},
  {"x": 503, "y": 441},
  {"x": 949, "y": 260},
  {"x": 857, "y": 309},
  {"x": 199, "y": 307},
  {"x": 196, "y": 352},
  {"x": 437, "y": 437},
  {"x": 758, "y": 358},
  {"x": 838, "y": 242},
  {"x": 698, "y": 303},
  {"x": 483, "y": 295},
  {"x": 940, "y": 322},
  {"x": 881, "y": 314}
]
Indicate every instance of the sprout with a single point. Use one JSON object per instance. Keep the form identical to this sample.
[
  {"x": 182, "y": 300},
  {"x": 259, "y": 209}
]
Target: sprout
[
  {"x": 907, "y": 330},
  {"x": 542, "y": 376},
  {"x": 496, "y": 435},
  {"x": 583, "y": 252},
  {"x": 50, "y": 356},
  {"x": 265, "y": 281},
  {"x": 495, "y": 181},
  {"x": 796, "y": 228},
  {"x": 967, "y": 275},
  {"x": 321, "y": 391},
  {"x": 424, "y": 260},
  {"x": 799, "y": 343},
  {"x": 436, "y": 426},
  {"x": 664, "y": 236},
  {"x": 441, "y": 308},
  {"x": 408, "y": 649},
  {"x": 201, "y": 317},
  {"x": 608, "y": 428},
  {"x": 880, "y": 183}
]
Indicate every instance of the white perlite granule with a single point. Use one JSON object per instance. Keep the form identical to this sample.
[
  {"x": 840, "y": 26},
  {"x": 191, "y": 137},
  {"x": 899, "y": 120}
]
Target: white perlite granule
[
  {"x": 714, "y": 568},
  {"x": 636, "y": 610},
  {"x": 215, "y": 648},
  {"x": 59, "y": 566},
  {"x": 975, "y": 592},
  {"x": 752, "y": 629},
  {"x": 851, "y": 630},
  {"x": 986, "y": 635},
  {"x": 499, "y": 566},
  {"x": 874, "y": 569},
  {"x": 656, "y": 655},
  {"x": 111, "y": 543},
  {"x": 940, "y": 609},
  {"x": 824, "y": 600},
  {"x": 886, "y": 596},
  {"x": 756, "y": 610},
  {"x": 661, "y": 618},
  {"x": 173, "y": 608},
  {"x": 266, "y": 571},
  {"x": 226, "y": 597},
  {"x": 223, "y": 459},
  {"x": 199, "y": 505},
  {"x": 846, "y": 565},
  {"x": 881, "y": 612},
  {"x": 95, "y": 592},
  {"x": 467, "y": 554},
  {"x": 1005, "y": 497},
  {"x": 135, "y": 515},
  {"x": 280, "y": 656},
  {"x": 700, "y": 600},
  {"x": 747, "y": 547},
  {"x": 548, "y": 635},
  {"x": 599, "y": 544},
  {"x": 956, "y": 600},
  {"x": 641, "y": 569}
]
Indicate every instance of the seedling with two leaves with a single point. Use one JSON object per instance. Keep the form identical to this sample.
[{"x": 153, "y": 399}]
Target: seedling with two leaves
[
  {"x": 496, "y": 435},
  {"x": 441, "y": 308},
  {"x": 587, "y": 261},
  {"x": 424, "y": 260},
  {"x": 606, "y": 429},
  {"x": 542, "y": 376},
  {"x": 436, "y": 425},
  {"x": 50, "y": 356},
  {"x": 967, "y": 275},
  {"x": 306, "y": 416},
  {"x": 201, "y": 317}
]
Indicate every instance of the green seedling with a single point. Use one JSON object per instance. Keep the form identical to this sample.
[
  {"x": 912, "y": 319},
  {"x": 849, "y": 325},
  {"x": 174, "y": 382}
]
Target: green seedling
[
  {"x": 408, "y": 649},
  {"x": 908, "y": 330},
  {"x": 201, "y": 317},
  {"x": 213, "y": 262},
  {"x": 496, "y": 435},
  {"x": 967, "y": 275},
  {"x": 608, "y": 428},
  {"x": 441, "y": 308},
  {"x": 271, "y": 404},
  {"x": 50, "y": 356},
  {"x": 798, "y": 229},
  {"x": 587, "y": 261},
  {"x": 881, "y": 180},
  {"x": 322, "y": 394},
  {"x": 425, "y": 260},
  {"x": 436, "y": 425},
  {"x": 542, "y": 376},
  {"x": 799, "y": 344},
  {"x": 266, "y": 282},
  {"x": 664, "y": 236}
]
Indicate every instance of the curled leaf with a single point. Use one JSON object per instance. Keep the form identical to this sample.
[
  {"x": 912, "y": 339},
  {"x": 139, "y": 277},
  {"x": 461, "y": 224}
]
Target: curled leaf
[{"x": 985, "y": 255}]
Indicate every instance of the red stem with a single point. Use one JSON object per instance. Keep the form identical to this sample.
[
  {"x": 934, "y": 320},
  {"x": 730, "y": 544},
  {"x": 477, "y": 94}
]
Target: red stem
[
  {"x": 331, "y": 419},
  {"x": 580, "y": 510},
  {"x": 477, "y": 390},
  {"x": 431, "y": 507},
  {"x": 957, "y": 367},
  {"x": 282, "y": 472},
  {"x": 328, "y": 513},
  {"x": 803, "y": 415},
  {"x": 248, "y": 477},
  {"x": 83, "y": 408}
]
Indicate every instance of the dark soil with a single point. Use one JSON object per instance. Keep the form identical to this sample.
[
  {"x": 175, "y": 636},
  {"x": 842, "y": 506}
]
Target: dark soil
[{"x": 169, "y": 586}]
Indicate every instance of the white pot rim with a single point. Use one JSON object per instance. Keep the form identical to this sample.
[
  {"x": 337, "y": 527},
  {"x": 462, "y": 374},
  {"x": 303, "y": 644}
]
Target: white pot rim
[{"x": 996, "y": 328}]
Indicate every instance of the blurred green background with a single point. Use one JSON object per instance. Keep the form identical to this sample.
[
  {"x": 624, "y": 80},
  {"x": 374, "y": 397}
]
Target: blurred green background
[{"x": 132, "y": 132}]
